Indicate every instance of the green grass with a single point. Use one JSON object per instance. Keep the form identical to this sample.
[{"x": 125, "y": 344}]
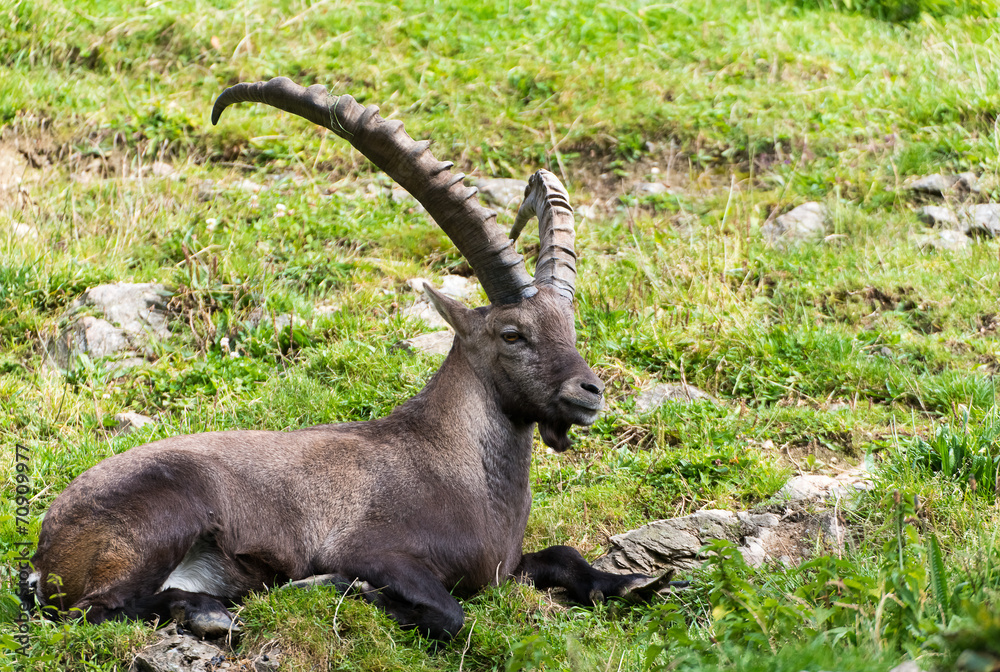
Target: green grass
[{"x": 860, "y": 349}]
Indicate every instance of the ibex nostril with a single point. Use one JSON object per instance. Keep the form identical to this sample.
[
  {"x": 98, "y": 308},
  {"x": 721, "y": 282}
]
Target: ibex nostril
[{"x": 590, "y": 387}]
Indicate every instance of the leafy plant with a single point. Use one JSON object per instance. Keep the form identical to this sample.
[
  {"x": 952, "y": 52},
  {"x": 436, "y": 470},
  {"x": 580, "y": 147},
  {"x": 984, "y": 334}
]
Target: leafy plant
[{"x": 967, "y": 454}]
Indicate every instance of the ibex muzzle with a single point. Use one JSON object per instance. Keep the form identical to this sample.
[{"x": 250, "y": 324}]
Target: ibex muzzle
[{"x": 429, "y": 501}]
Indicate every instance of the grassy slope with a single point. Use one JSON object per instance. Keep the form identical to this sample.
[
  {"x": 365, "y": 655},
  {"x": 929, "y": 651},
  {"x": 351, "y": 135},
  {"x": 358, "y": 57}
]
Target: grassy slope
[{"x": 750, "y": 109}]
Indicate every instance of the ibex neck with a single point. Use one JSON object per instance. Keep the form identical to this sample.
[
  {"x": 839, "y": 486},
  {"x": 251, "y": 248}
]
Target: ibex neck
[{"x": 464, "y": 413}]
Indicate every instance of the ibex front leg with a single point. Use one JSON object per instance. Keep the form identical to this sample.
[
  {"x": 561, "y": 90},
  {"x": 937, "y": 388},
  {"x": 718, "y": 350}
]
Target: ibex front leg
[
  {"x": 564, "y": 567},
  {"x": 404, "y": 589}
]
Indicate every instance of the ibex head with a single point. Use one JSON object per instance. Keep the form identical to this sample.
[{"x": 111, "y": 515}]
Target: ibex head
[{"x": 523, "y": 345}]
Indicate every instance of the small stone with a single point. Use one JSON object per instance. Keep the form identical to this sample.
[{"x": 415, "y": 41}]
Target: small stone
[
  {"x": 753, "y": 552},
  {"x": 938, "y": 215},
  {"x": 977, "y": 661},
  {"x": 455, "y": 286},
  {"x": 942, "y": 185},
  {"x": 161, "y": 169},
  {"x": 662, "y": 393},
  {"x": 326, "y": 309},
  {"x": 24, "y": 231},
  {"x": 133, "y": 314},
  {"x": 939, "y": 185},
  {"x": 650, "y": 189},
  {"x": 984, "y": 219},
  {"x": 968, "y": 182},
  {"x": 207, "y": 190},
  {"x": 423, "y": 310},
  {"x": 803, "y": 224},
  {"x": 501, "y": 191},
  {"x": 178, "y": 652},
  {"x": 400, "y": 195},
  {"x": 434, "y": 343},
  {"x": 818, "y": 488},
  {"x": 130, "y": 421},
  {"x": 950, "y": 240},
  {"x": 91, "y": 336},
  {"x": 935, "y": 185},
  {"x": 248, "y": 186},
  {"x": 584, "y": 212},
  {"x": 136, "y": 307},
  {"x": 13, "y": 166}
]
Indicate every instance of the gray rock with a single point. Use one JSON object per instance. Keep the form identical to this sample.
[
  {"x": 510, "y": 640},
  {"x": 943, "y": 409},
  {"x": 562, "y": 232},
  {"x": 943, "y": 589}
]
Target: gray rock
[
  {"x": 818, "y": 488},
  {"x": 668, "y": 544},
  {"x": 279, "y": 321},
  {"x": 434, "y": 343},
  {"x": 13, "y": 166},
  {"x": 943, "y": 185},
  {"x": 400, "y": 195},
  {"x": 161, "y": 169},
  {"x": 207, "y": 190},
  {"x": 938, "y": 215},
  {"x": 88, "y": 335},
  {"x": 133, "y": 314},
  {"x": 248, "y": 186},
  {"x": 185, "y": 653},
  {"x": 587, "y": 211},
  {"x": 137, "y": 308},
  {"x": 326, "y": 309},
  {"x": 908, "y": 666},
  {"x": 423, "y": 310},
  {"x": 935, "y": 185},
  {"x": 130, "y": 421},
  {"x": 803, "y": 224},
  {"x": 977, "y": 661},
  {"x": 662, "y": 393},
  {"x": 951, "y": 240},
  {"x": 763, "y": 537},
  {"x": 179, "y": 653},
  {"x": 455, "y": 286},
  {"x": 24, "y": 231},
  {"x": 984, "y": 219},
  {"x": 501, "y": 191},
  {"x": 650, "y": 189},
  {"x": 674, "y": 544}
]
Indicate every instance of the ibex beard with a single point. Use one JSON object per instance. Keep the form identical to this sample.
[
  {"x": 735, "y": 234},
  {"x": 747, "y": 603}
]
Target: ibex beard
[{"x": 411, "y": 510}]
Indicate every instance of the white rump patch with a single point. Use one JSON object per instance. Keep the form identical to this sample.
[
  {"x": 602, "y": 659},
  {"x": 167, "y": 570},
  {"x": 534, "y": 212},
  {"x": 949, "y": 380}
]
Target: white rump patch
[
  {"x": 35, "y": 587},
  {"x": 199, "y": 572}
]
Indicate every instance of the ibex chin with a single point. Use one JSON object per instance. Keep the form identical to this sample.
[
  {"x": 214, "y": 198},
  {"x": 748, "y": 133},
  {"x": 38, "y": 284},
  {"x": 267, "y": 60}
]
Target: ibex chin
[{"x": 411, "y": 509}]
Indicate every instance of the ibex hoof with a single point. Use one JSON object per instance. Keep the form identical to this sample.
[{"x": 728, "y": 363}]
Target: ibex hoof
[
  {"x": 213, "y": 625},
  {"x": 644, "y": 588}
]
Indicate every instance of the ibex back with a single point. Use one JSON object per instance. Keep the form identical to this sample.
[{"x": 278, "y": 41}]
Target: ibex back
[{"x": 428, "y": 502}]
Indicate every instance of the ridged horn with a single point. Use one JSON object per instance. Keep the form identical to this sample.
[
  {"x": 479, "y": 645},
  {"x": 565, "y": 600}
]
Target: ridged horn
[
  {"x": 453, "y": 205},
  {"x": 546, "y": 198}
]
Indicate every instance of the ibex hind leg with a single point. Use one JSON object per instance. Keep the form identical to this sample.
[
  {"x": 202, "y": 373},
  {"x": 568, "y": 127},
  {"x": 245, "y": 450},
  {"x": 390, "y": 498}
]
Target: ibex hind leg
[
  {"x": 564, "y": 567},
  {"x": 205, "y": 615}
]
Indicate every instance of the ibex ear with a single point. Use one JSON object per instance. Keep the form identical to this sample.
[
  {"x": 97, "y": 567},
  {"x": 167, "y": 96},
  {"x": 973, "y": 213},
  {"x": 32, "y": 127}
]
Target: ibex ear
[{"x": 461, "y": 319}]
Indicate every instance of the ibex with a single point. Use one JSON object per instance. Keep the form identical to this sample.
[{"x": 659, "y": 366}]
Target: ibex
[{"x": 426, "y": 503}]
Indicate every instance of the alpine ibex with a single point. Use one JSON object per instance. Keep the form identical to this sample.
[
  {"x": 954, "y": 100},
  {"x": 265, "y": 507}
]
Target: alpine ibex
[{"x": 412, "y": 508}]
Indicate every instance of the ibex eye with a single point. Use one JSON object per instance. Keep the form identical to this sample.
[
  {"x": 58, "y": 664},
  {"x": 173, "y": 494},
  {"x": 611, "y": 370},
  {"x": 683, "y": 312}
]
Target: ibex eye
[{"x": 511, "y": 336}]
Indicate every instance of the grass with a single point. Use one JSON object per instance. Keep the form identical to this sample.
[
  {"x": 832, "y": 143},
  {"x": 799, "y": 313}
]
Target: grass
[{"x": 859, "y": 349}]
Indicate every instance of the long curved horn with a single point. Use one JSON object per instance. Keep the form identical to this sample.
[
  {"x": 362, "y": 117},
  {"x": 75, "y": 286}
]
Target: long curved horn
[
  {"x": 546, "y": 197},
  {"x": 453, "y": 206}
]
